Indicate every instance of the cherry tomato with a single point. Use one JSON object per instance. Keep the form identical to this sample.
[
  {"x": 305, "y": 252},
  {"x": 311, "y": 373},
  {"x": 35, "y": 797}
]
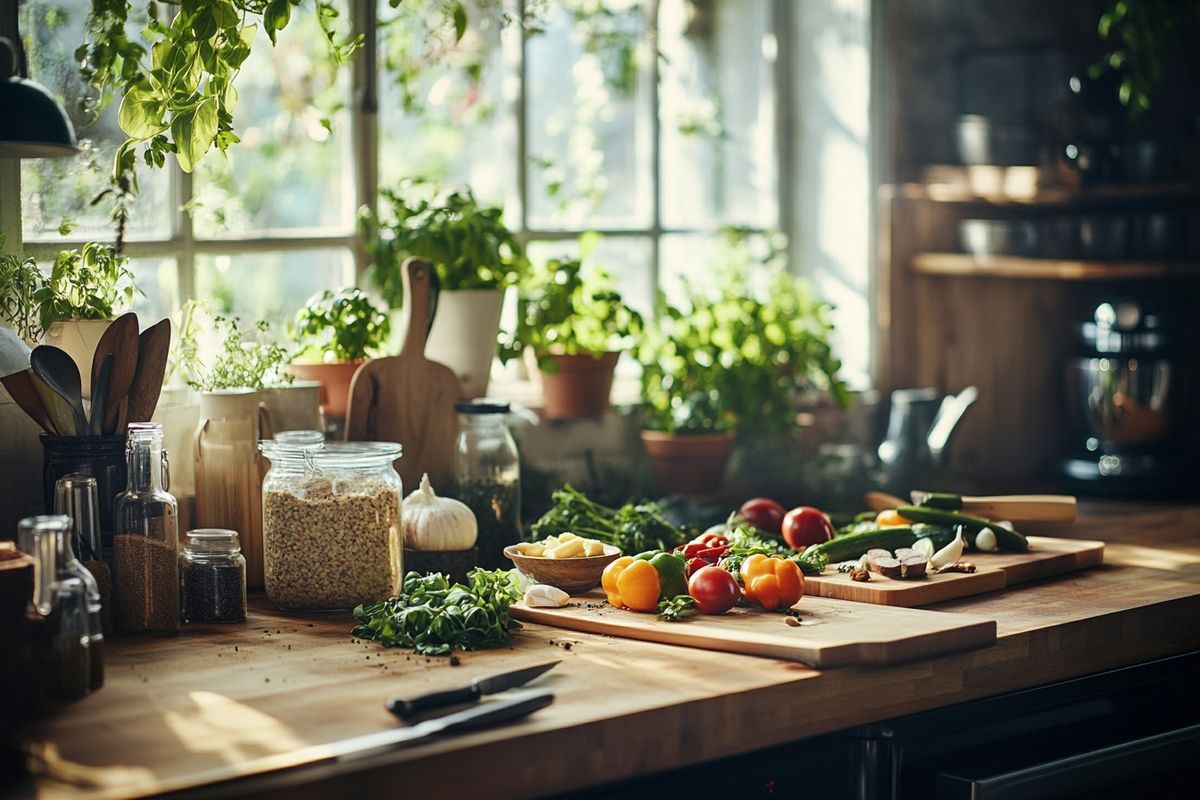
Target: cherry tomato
[
  {"x": 763, "y": 513},
  {"x": 714, "y": 590},
  {"x": 891, "y": 519},
  {"x": 804, "y": 526}
]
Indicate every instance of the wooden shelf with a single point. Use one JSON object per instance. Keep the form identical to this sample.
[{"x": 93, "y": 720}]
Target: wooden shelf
[
  {"x": 1031, "y": 186},
  {"x": 965, "y": 264}
]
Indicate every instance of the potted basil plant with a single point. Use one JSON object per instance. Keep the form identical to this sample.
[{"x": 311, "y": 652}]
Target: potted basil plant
[
  {"x": 572, "y": 327},
  {"x": 336, "y": 333},
  {"x": 475, "y": 258}
]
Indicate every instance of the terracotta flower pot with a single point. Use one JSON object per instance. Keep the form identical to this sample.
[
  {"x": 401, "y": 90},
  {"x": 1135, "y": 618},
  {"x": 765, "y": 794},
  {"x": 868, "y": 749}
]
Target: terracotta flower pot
[
  {"x": 580, "y": 387},
  {"x": 688, "y": 463},
  {"x": 335, "y": 383}
]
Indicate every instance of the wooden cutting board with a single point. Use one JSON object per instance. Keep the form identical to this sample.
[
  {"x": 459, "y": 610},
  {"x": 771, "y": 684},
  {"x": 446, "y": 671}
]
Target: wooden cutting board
[
  {"x": 831, "y": 633},
  {"x": 1046, "y": 557},
  {"x": 407, "y": 398}
]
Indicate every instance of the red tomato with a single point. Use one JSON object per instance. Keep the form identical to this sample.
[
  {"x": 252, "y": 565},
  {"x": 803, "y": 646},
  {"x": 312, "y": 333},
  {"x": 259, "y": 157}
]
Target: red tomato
[
  {"x": 714, "y": 590},
  {"x": 804, "y": 526},
  {"x": 763, "y": 513}
]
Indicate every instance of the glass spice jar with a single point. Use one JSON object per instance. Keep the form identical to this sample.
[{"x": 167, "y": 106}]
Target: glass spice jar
[
  {"x": 213, "y": 576},
  {"x": 146, "y": 540},
  {"x": 488, "y": 476},
  {"x": 332, "y": 537}
]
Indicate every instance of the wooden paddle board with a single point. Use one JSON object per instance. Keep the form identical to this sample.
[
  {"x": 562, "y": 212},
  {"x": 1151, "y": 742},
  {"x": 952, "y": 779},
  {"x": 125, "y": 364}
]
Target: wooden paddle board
[
  {"x": 995, "y": 571},
  {"x": 826, "y": 633}
]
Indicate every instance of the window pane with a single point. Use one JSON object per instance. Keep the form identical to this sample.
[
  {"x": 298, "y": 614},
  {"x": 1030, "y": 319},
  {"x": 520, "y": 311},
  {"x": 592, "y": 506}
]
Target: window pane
[
  {"x": 587, "y": 102},
  {"x": 626, "y": 258},
  {"x": 54, "y": 190},
  {"x": 270, "y": 285},
  {"x": 158, "y": 278},
  {"x": 292, "y": 168},
  {"x": 717, "y": 114},
  {"x": 449, "y": 120}
]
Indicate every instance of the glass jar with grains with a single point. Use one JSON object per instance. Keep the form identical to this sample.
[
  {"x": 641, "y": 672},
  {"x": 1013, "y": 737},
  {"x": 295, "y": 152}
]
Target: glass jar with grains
[{"x": 331, "y": 521}]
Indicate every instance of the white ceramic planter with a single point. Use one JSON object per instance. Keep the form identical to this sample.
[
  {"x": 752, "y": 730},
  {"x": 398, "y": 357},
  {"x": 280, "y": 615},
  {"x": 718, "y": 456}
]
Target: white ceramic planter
[
  {"x": 294, "y": 408},
  {"x": 178, "y": 411},
  {"x": 79, "y": 337},
  {"x": 464, "y": 335}
]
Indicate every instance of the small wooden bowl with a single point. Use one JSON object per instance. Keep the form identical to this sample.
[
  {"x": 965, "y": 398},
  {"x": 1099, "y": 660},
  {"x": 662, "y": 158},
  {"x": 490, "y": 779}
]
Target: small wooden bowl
[{"x": 572, "y": 575}]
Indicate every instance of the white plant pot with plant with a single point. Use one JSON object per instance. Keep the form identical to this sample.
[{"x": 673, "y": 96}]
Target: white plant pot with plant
[
  {"x": 475, "y": 257},
  {"x": 336, "y": 332}
]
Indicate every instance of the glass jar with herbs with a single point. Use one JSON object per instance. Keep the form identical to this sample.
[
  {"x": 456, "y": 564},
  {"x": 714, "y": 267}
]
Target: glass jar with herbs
[
  {"x": 332, "y": 536},
  {"x": 213, "y": 576},
  {"x": 146, "y": 539},
  {"x": 488, "y": 476}
]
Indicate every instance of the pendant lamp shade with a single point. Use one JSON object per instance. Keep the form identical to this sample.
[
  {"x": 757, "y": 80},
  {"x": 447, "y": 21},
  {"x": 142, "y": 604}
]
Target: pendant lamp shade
[{"x": 32, "y": 123}]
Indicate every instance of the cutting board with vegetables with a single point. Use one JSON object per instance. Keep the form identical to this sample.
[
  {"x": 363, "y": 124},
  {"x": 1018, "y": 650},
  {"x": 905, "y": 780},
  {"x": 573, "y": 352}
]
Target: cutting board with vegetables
[
  {"x": 994, "y": 571},
  {"x": 822, "y": 632}
]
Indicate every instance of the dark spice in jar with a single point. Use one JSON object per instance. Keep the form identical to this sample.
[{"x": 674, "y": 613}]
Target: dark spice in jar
[
  {"x": 497, "y": 508},
  {"x": 213, "y": 592}
]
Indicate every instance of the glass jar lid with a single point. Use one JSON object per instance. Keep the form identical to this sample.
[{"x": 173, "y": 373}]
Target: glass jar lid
[
  {"x": 212, "y": 542},
  {"x": 292, "y": 445},
  {"x": 352, "y": 455}
]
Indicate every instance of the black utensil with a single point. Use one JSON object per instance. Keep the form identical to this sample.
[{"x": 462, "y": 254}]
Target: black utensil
[
  {"x": 491, "y": 684},
  {"x": 59, "y": 371},
  {"x": 100, "y": 400}
]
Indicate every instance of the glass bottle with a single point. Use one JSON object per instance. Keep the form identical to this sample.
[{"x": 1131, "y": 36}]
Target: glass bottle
[
  {"x": 61, "y": 642},
  {"x": 75, "y": 498},
  {"x": 213, "y": 575},
  {"x": 488, "y": 476},
  {"x": 146, "y": 540},
  {"x": 332, "y": 531}
]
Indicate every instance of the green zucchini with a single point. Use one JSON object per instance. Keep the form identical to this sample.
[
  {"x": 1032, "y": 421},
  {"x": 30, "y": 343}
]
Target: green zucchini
[
  {"x": 1005, "y": 539},
  {"x": 946, "y": 502},
  {"x": 940, "y": 535},
  {"x": 853, "y": 545}
]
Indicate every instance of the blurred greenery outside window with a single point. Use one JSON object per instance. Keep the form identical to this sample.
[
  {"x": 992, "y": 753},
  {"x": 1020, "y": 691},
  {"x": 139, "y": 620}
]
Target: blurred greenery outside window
[{"x": 653, "y": 122}]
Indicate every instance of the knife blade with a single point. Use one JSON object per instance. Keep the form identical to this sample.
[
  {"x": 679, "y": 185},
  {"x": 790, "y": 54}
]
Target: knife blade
[
  {"x": 1015, "y": 508},
  {"x": 491, "y": 684}
]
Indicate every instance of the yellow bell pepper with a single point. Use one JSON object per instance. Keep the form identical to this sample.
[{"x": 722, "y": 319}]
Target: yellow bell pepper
[
  {"x": 772, "y": 582},
  {"x": 633, "y": 584}
]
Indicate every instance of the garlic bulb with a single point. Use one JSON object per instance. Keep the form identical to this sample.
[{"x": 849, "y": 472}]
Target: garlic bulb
[
  {"x": 985, "y": 540},
  {"x": 437, "y": 523}
]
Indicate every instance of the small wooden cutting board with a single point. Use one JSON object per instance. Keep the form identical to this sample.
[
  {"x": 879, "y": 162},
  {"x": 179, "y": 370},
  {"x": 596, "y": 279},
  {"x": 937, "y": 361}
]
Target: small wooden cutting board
[
  {"x": 407, "y": 398},
  {"x": 995, "y": 571},
  {"x": 830, "y": 633}
]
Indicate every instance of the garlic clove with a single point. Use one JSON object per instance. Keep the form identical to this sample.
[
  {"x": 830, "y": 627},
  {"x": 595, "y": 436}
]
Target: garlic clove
[
  {"x": 950, "y": 554},
  {"x": 542, "y": 596}
]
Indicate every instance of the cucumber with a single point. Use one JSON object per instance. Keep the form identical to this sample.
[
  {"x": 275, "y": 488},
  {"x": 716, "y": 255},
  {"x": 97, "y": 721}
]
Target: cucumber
[
  {"x": 1005, "y": 539},
  {"x": 946, "y": 502},
  {"x": 940, "y": 535},
  {"x": 853, "y": 545}
]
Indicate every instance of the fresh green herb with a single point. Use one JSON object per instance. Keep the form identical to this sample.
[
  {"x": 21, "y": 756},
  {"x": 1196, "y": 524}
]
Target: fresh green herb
[
  {"x": 468, "y": 243},
  {"x": 339, "y": 327},
  {"x": 677, "y": 608},
  {"x": 745, "y": 541},
  {"x": 1142, "y": 37},
  {"x": 89, "y": 283},
  {"x": 20, "y": 280},
  {"x": 434, "y": 616},
  {"x": 243, "y": 360},
  {"x": 633, "y": 528}
]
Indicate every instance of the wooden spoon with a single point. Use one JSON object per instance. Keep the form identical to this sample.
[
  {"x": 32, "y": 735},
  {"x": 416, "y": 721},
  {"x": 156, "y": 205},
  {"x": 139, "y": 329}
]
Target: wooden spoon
[
  {"x": 25, "y": 394},
  {"x": 58, "y": 409},
  {"x": 59, "y": 371},
  {"x": 153, "y": 346},
  {"x": 100, "y": 397},
  {"x": 120, "y": 340}
]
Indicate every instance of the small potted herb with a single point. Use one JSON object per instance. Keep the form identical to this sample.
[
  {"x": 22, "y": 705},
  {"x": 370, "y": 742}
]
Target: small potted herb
[
  {"x": 732, "y": 359},
  {"x": 475, "y": 258},
  {"x": 336, "y": 333},
  {"x": 573, "y": 327}
]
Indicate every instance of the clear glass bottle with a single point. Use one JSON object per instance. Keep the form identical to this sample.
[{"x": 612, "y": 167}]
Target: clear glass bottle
[
  {"x": 61, "y": 643},
  {"x": 332, "y": 535},
  {"x": 488, "y": 476},
  {"x": 75, "y": 497},
  {"x": 146, "y": 539},
  {"x": 213, "y": 576}
]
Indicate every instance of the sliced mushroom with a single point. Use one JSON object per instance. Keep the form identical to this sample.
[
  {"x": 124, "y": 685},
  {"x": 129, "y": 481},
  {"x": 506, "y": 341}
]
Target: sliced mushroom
[{"x": 913, "y": 567}]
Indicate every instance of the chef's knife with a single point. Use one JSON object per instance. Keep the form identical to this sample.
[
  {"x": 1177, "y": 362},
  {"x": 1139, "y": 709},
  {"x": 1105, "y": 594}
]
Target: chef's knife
[
  {"x": 491, "y": 684},
  {"x": 1015, "y": 508}
]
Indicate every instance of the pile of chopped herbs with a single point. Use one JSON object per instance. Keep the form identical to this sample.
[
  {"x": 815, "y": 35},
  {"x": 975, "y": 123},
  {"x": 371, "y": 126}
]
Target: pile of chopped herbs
[
  {"x": 745, "y": 541},
  {"x": 434, "y": 616},
  {"x": 634, "y": 527}
]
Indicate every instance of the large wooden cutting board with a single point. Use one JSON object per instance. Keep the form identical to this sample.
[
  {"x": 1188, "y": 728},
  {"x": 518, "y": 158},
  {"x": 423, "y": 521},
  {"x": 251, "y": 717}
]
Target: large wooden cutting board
[
  {"x": 1046, "y": 557},
  {"x": 831, "y": 633}
]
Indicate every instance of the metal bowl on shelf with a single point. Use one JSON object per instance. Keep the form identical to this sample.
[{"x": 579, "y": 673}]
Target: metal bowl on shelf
[
  {"x": 1103, "y": 236},
  {"x": 983, "y": 141},
  {"x": 999, "y": 237}
]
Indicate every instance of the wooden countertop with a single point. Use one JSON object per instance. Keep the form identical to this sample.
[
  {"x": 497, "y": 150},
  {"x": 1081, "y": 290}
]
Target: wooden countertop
[{"x": 214, "y": 705}]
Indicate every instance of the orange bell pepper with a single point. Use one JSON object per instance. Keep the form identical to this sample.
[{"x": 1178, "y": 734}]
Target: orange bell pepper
[
  {"x": 772, "y": 582},
  {"x": 631, "y": 583},
  {"x": 891, "y": 519}
]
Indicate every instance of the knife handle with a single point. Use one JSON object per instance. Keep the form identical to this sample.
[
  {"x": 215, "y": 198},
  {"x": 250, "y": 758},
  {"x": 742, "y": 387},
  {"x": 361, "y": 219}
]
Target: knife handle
[{"x": 447, "y": 697}]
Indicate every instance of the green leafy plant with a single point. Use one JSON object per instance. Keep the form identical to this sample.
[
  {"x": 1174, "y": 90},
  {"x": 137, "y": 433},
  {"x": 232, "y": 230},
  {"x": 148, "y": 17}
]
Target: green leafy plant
[
  {"x": 91, "y": 282},
  {"x": 468, "y": 243},
  {"x": 20, "y": 280},
  {"x": 565, "y": 312},
  {"x": 634, "y": 527},
  {"x": 339, "y": 327},
  {"x": 238, "y": 359},
  {"x": 1142, "y": 36},
  {"x": 736, "y": 357}
]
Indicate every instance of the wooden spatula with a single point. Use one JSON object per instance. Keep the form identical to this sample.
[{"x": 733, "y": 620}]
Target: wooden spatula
[
  {"x": 1015, "y": 507},
  {"x": 407, "y": 398},
  {"x": 153, "y": 345},
  {"x": 25, "y": 394},
  {"x": 120, "y": 340}
]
